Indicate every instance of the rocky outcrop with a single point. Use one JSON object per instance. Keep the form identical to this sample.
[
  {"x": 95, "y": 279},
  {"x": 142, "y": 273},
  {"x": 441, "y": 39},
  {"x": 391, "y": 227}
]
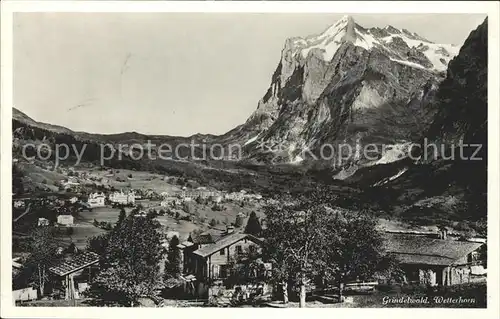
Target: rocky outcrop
[{"x": 348, "y": 85}]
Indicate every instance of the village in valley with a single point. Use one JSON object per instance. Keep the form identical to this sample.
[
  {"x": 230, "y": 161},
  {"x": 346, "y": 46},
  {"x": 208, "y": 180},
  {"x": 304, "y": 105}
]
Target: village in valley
[{"x": 212, "y": 245}]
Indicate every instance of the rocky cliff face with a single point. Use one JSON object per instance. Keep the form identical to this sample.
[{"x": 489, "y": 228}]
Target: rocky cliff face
[
  {"x": 458, "y": 112},
  {"x": 347, "y": 85},
  {"x": 461, "y": 103}
]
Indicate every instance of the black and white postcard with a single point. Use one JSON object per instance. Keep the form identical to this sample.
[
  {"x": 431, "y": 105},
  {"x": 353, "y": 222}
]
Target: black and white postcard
[{"x": 249, "y": 155}]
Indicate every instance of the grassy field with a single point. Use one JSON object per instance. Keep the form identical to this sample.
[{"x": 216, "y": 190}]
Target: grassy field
[{"x": 139, "y": 180}]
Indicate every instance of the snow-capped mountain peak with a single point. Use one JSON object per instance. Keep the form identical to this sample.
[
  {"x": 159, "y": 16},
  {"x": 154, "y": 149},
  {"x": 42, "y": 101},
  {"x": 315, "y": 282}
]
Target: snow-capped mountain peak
[
  {"x": 342, "y": 86},
  {"x": 400, "y": 45}
]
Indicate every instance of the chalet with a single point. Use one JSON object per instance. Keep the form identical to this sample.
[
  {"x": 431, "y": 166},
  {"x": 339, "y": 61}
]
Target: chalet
[
  {"x": 210, "y": 255},
  {"x": 435, "y": 260}
]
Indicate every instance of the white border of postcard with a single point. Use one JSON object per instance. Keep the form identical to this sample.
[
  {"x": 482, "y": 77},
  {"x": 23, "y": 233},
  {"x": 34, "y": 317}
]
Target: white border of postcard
[{"x": 8, "y": 310}]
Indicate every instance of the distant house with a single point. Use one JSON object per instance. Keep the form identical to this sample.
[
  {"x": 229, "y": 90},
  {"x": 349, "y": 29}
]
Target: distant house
[
  {"x": 96, "y": 200},
  {"x": 170, "y": 201},
  {"x": 18, "y": 204},
  {"x": 122, "y": 198},
  {"x": 435, "y": 260},
  {"x": 164, "y": 194},
  {"x": 235, "y": 196},
  {"x": 72, "y": 181},
  {"x": 142, "y": 213},
  {"x": 164, "y": 203},
  {"x": 66, "y": 220},
  {"x": 43, "y": 222},
  {"x": 217, "y": 199}
]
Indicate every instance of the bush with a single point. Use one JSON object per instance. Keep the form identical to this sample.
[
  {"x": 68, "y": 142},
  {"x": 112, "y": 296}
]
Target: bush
[
  {"x": 239, "y": 221},
  {"x": 217, "y": 208},
  {"x": 188, "y": 207}
]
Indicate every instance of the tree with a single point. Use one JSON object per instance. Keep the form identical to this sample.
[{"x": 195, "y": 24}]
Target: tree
[
  {"x": 42, "y": 248},
  {"x": 188, "y": 207},
  {"x": 294, "y": 245},
  {"x": 253, "y": 225},
  {"x": 238, "y": 221},
  {"x": 173, "y": 264},
  {"x": 121, "y": 216},
  {"x": 98, "y": 243},
  {"x": 71, "y": 249},
  {"x": 246, "y": 267},
  {"x": 199, "y": 200},
  {"x": 17, "y": 180},
  {"x": 305, "y": 240},
  {"x": 69, "y": 231},
  {"x": 213, "y": 222},
  {"x": 356, "y": 249},
  {"x": 130, "y": 267}
]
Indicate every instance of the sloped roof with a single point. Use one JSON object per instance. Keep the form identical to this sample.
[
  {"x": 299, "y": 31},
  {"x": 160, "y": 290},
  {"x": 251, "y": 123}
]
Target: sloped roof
[
  {"x": 224, "y": 242},
  {"x": 412, "y": 249},
  {"x": 76, "y": 263}
]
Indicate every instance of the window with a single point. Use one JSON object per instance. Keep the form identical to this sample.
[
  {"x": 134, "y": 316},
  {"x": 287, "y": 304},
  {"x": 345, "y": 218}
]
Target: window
[
  {"x": 239, "y": 250},
  {"x": 222, "y": 252}
]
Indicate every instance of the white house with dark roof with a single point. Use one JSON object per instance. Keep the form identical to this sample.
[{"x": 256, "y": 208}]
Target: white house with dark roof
[{"x": 97, "y": 200}]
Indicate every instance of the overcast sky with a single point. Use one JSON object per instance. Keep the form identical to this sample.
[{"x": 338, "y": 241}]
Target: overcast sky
[{"x": 169, "y": 73}]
